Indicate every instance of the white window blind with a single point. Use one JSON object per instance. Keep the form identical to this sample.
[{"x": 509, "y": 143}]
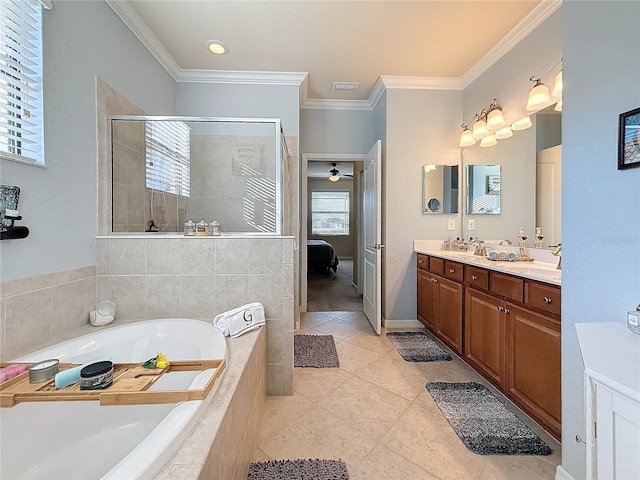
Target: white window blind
[
  {"x": 21, "y": 122},
  {"x": 330, "y": 213},
  {"x": 167, "y": 157}
]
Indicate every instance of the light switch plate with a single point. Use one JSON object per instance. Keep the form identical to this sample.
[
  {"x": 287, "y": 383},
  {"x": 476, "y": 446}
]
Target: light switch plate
[
  {"x": 471, "y": 224},
  {"x": 452, "y": 224}
]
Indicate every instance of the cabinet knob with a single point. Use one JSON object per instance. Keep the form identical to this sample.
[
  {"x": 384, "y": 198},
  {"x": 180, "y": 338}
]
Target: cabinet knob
[
  {"x": 474, "y": 277},
  {"x": 451, "y": 270},
  {"x": 434, "y": 280},
  {"x": 506, "y": 310},
  {"x": 547, "y": 300},
  {"x": 419, "y": 261},
  {"x": 500, "y": 308}
]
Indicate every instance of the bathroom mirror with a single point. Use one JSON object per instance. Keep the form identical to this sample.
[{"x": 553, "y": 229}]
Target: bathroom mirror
[
  {"x": 440, "y": 189},
  {"x": 484, "y": 187},
  {"x": 168, "y": 170}
]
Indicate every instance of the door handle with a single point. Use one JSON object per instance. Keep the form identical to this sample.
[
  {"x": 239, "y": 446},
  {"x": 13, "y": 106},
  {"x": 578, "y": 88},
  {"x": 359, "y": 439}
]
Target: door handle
[{"x": 376, "y": 246}]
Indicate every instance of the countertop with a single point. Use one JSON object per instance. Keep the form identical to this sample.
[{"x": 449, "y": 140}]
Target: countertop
[
  {"x": 611, "y": 355},
  {"x": 539, "y": 270}
]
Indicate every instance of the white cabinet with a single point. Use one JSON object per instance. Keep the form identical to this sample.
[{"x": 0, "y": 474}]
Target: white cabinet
[{"x": 611, "y": 356}]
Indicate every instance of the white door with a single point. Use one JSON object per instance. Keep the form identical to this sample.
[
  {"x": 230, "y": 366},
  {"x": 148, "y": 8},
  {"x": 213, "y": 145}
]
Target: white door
[
  {"x": 372, "y": 226},
  {"x": 549, "y": 193}
]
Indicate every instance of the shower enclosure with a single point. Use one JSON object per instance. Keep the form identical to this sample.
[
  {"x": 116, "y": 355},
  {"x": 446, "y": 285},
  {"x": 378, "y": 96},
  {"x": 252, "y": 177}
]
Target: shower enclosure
[{"x": 169, "y": 170}]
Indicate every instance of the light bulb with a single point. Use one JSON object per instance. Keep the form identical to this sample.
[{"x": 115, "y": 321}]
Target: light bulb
[{"x": 334, "y": 178}]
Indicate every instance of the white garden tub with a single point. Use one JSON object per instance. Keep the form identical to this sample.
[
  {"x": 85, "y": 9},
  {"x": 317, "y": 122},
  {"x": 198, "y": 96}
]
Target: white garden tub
[{"x": 83, "y": 440}]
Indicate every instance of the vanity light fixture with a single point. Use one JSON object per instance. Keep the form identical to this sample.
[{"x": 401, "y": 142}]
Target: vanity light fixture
[
  {"x": 503, "y": 133},
  {"x": 217, "y": 47},
  {"x": 495, "y": 119},
  {"x": 466, "y": 137},
  {"x": 480, "y": 129},
  {"x": 539, "y": 96},
  {"x": 486, "y": 122},
  {"x": 558, "y": 107}
]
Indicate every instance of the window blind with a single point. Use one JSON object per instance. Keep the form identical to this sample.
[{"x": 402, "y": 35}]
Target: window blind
[
  {"x": 330, "y": 213},
  {"x": 21, "y": 80},
  {"x": 167, "y": 157}
]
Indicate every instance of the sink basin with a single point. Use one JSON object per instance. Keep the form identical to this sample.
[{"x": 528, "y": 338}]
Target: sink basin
[{"x": 537, "y": 271}]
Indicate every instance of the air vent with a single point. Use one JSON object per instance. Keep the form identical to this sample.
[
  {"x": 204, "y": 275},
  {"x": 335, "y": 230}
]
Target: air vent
[{"x": 345, "y": 86}]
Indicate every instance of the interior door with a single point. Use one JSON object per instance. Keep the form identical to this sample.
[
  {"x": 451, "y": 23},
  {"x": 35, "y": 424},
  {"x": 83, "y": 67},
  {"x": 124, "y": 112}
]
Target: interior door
[{"x": 372, "y": 227}]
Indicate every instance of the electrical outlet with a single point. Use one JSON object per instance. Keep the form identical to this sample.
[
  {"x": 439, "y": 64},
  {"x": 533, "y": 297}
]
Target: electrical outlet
[
  {"x": 471, "y": 224},
  {"x": 452, "y": 224}
]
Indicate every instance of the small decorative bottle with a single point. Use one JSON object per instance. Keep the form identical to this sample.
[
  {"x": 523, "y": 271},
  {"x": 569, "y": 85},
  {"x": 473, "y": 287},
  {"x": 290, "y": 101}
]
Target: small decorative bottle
[
  {"x": 214, "y": 228},
  {"x": 189, "y": 228},
  {"x": 633, "y": 320},
  {"x": 537, "y": 238},
  {"x": 202, "y": 229}
]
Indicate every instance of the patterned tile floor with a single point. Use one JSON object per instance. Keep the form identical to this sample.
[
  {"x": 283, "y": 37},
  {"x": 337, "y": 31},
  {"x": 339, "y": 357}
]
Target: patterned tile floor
[{"x": 375, "y": 413}]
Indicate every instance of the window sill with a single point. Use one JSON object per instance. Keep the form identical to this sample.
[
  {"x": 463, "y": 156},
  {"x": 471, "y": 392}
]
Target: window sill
[{"x": 19, "y": 159}]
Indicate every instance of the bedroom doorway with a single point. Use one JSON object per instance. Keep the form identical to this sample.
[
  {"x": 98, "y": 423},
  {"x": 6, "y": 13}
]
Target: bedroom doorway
[{"x": 331, "y": 262}]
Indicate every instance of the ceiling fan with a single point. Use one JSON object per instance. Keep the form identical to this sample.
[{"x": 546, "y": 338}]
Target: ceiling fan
[{"x": 335, "y": 173}]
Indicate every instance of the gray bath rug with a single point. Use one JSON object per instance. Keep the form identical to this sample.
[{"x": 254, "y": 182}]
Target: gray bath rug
[
  {"x": 417, "y": 347},
  {"x": 314, "y": 351},
  {"x": 484, "y": 424},
  {"x": 298, "y": 470}
]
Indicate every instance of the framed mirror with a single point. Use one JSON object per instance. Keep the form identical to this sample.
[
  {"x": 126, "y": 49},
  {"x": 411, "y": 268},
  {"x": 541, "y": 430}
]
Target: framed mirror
[
  {"x": 484, "y": 189},
  {"x": 440, "y": 189}
]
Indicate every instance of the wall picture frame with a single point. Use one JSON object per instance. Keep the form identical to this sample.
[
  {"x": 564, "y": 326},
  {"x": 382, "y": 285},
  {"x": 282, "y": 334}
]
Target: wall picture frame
[{"x": 629, "y": 139}]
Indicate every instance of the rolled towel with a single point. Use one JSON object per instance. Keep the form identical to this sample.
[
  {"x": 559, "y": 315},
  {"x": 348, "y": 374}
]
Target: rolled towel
[
  {"x": 493, "y": 255},
  {"x": 234, "y": 323},
  {"x": 13, "y": 370},
  {"x": 72, "y": 375},
  {"x": 502, "y": 255},
  {"x": 511, "y": 256}
]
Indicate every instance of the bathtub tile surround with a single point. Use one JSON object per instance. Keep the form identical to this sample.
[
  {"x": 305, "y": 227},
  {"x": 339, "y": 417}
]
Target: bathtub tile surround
[
  {"x": 199, "y": 277},
  {"x": 221, "y": 445},
  {"x": 39, "y": 309}
]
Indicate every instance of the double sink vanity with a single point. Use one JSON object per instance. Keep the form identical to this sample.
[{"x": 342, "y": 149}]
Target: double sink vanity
[{"x": 502, "y": 318}]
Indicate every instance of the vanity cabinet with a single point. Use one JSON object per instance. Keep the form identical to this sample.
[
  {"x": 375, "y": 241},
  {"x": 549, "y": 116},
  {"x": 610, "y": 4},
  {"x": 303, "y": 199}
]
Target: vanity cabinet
[
  {"x": 440, "y": 301},
  {"x": 509, "y": 333}
]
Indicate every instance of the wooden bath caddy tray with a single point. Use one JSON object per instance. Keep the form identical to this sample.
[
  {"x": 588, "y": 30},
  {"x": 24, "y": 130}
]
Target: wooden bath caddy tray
[{"x": 130, "y": 386}]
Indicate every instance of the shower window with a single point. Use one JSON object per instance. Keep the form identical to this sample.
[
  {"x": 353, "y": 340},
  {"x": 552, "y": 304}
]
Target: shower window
[
  {"x": 330, "y": 213},
  {"x": 167, "y": 157}
]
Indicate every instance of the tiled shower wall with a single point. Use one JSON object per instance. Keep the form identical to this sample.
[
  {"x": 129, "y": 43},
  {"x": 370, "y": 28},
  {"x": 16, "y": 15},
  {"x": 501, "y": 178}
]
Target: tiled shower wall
[
  {"x": 199, "y": 277},
  {"x": 40, "y": 309}
]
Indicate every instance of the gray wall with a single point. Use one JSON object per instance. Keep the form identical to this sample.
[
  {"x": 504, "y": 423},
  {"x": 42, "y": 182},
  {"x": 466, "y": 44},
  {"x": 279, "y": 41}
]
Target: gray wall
[
  {"x": 335, "y": 131},
  {"x": 82, "y": 41},
  {"x": 601, "y": 239}
]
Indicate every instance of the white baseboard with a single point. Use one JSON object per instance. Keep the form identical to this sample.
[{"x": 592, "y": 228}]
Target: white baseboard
[
  {"x": 401, "y": 323},
  {"x": 562, "y": 474}
]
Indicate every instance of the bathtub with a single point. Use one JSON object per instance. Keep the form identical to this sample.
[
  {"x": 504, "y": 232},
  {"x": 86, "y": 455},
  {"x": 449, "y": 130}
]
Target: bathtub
[{"x": 83, "y": 440}]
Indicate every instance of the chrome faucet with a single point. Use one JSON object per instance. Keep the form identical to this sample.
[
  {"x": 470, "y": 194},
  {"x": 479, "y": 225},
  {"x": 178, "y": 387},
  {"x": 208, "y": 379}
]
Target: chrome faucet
[
  {"x": 480, "y": 249},
  {"x": 557, "y": 250},
  {"x": 506, "y": 241}
]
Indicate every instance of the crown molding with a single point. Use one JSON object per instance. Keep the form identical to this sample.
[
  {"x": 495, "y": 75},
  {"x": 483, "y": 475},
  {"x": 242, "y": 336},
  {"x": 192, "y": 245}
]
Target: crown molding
[
  {"x": 421, "y": 83},
  {"x": 335, "y": 104},
  {"x": 132, "y": 20},
  {"x": 529, "y": 23},
  {"x": 243, "y": 77}
]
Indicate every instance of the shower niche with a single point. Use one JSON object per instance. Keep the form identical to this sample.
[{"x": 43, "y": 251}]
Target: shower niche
[{"x": 168, "y": 170}]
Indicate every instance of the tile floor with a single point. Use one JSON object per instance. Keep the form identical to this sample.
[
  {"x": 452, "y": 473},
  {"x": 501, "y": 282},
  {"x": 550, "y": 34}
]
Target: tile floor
[{"x": 375, "y": 413}]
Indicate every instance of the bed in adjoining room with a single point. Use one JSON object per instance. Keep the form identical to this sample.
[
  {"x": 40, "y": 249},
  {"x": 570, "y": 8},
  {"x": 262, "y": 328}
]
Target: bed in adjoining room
[{"x": 321, "y": 257}]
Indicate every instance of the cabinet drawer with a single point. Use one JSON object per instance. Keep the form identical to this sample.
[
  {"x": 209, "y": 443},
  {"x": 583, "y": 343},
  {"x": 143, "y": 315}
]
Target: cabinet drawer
[
  {"x": 476, "y": 277},
  {"x": 507, "y": 286},
  {"x": 436, "y": 265},
  {"x": 453, "y": 270},
  {"x": 422, "y": 262},
  {"x": 543, "y": 296}
]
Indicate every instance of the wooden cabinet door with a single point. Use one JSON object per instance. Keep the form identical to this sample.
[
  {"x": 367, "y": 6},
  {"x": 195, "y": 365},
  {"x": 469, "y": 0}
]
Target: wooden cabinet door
[
  {"x": 450, "y": 313},
  {"x": 485, "y": 333},
  {"x": 427, "y": 300},
  {"x": 533, "y": 365}
]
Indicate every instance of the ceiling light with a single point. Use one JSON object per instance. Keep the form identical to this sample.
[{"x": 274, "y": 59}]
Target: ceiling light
[
  {"x": 466, "y": 137},
  {"x": 521, "y": 124},
  {"x": 488, "y": 141},
  {"x": 335, "y": 173},
  {"x": 217, "y": 47},
  {"x": 480, "y": 129},
  {"x": 503, "y": 133}
]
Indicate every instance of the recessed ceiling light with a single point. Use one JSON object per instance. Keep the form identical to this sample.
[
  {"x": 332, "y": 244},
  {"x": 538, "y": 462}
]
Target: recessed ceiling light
[
  {"x": 217, "y": 47},
  {"x": 345, "y": 86}
]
